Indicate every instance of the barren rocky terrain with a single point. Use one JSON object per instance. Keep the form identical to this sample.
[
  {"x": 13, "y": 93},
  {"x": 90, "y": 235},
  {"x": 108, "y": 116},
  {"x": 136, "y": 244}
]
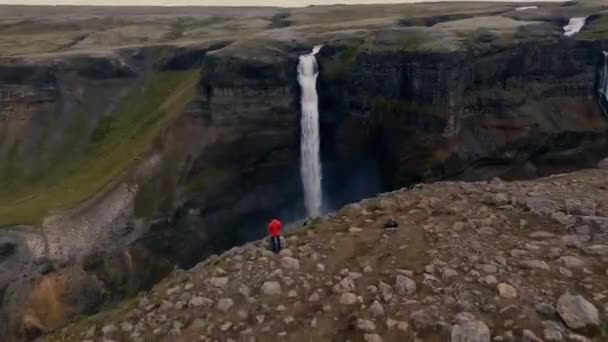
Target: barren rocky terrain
[{"x": 487, "y": 261}]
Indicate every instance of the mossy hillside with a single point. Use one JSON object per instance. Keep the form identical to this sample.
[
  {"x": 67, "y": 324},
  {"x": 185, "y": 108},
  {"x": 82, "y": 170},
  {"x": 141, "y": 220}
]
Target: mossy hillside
[
  {"x": 209, "y": 177},
  {"x": 597, "y": 29},
  {"x": 116, "y": 143},
  {"x": 341, "y": 65}
]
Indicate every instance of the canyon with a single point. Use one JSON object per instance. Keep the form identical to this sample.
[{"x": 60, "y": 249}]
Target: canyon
[{"x": 136, "y": 140}]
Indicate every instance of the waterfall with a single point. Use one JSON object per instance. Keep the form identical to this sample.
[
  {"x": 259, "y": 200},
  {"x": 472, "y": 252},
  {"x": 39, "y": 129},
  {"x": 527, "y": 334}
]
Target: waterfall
[
  {"x": 524, "y": 8},
  {"x": 603, "y": 87},
  {"x": 310, "y": 166},
  {"x": 604, "y": 77},
  {"x": 574, "y": 25}
]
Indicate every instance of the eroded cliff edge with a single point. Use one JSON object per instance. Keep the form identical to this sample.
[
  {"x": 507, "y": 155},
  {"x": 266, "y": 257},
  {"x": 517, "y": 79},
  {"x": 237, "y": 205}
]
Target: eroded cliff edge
[{"x": 120, "y": 164}]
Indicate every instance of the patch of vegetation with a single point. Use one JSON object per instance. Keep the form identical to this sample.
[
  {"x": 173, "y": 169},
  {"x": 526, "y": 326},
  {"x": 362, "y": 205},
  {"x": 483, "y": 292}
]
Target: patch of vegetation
[
  {"x": 397, "y": 112},
  {"x": 11, "y": 167},
  {"x": 597, "y": 29},
  {"x": 138, "y": 120},
  {"x": 79, "y": 327},
  {"x": 280, "y": 20},
  {"x": 342, "y": 64},
  {"x": 158, "y": 193},
  {"x": 209, "y": 176},
  {"x": 412, "y": 41}
]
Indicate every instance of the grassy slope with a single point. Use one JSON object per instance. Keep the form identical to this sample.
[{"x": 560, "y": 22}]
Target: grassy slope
[{"x": 114, "y": 146}]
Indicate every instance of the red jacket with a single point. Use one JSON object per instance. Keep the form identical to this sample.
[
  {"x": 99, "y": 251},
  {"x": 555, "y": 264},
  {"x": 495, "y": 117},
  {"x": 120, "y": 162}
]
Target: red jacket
[{"x": 274, "y": 228}]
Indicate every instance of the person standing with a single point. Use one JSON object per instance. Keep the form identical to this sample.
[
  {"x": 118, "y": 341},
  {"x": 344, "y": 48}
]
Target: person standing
[{"x": 274, "y": 228}]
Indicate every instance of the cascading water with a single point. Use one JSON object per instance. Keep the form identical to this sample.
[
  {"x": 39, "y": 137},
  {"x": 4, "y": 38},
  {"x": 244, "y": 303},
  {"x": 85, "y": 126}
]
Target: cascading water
[
  {"x": 310, "y": 141},
  {"x": 604, "y": 79},
  {"x": 603, "y": 86},
  {"x": 574, "y": 26}
]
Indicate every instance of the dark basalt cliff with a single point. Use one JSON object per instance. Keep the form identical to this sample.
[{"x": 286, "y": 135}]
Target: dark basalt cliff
[{"x": 118, "y": 166}]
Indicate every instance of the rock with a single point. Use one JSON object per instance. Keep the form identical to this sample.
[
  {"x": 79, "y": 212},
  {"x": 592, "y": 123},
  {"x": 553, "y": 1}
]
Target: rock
[
  {"x": 506, "y": 291},
  {"x": 286, "y": 252},
  {"x": 403, "y": 326},
  {"x": 391, "y": 223},
  {"x": 487, "y": 268},
  {"x": 366, "y": 325},
  {"x": 390, "y": 323},
  {"x": 126, "y": 327},
  {"x": 242, "y": 314},
  {"x": 290, "y": 263},
  {"x": 292, "y": 294},
  {"x": 376, "y": 309},
  {"x": 314, "y": 297},
  {"x": 449, "y": 273},
  {"x": 313, "y": 323},
  {"x": 354, "y": 230},
  {"x": 320, "y": 268},
  {"x": 289, "y": 320},
  {"x": 348, "y": 298},
  {"x": 173, "y": 290},
  {"x": 547, "y": 310},
  {"x": 598, "y": 250},
  {"x": 541, "y": 235},
  {"x": 458, "y": 226},
  {"x": 244, "y": 290},
  {"x": 372, "y": 338},
  {"x": 219, "y": 282},
  {"x": 470, "y": 330},
  {"x": 572, "y": 262},
  {"x": 225, "y": 326},
  {"x": 109, "y": 329},
  {"x": 405, "y": 286},
  {"x": 552, "y": 334},
  {"x": 528, "y": 336},
  {"x": 281, "y": 308},
  {"x": 577, "y": 312},
  {"x": 490, "y": 280},
  {"x": 271, "y": 288},
  {"x": 224, "y": 304},
  {"x": 367, "y": 269},
  {"x": 345, "y": 285},
  {"x": 197, "y": 301},
  {"x": 537, "y": 264},
  {"x": 577, "y": 338}
]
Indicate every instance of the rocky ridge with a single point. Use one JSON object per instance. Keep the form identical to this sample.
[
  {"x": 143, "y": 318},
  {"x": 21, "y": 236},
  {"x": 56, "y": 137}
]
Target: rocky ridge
[{"x": 485, "y": 261}]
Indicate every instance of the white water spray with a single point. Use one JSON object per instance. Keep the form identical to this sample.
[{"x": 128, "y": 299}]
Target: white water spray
[
  {"x": 310, "y": 166},
  {"x": 604, "y": 79},
  {"x": 574, "y": 26},
  {"x": 524, "y": 8},
  {"x": 603, "y": 87}
]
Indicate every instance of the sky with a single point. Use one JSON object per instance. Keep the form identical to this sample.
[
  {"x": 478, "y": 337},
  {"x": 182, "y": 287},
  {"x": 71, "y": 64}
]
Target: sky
[{"x": 282, "y": 3}]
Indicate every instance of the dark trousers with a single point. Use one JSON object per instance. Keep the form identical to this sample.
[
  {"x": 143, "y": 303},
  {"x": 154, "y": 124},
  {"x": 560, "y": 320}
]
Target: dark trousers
[{"x": 275, "y": 244}]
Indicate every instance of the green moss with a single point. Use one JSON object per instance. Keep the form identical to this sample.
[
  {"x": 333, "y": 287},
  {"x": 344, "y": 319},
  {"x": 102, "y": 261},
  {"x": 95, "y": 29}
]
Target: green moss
[
  {"x": 396, "y": 111},
  {"x": 342, "y": 64},
  {"x": 158, "y": 194},
  {"x": 103, "y": 128},
  {"x": 412, "y": 41},
  {"x": 139, "y": 119},
  {"x": 595, "y": 30},
  {"x": 11, "y": 167},
  {"x": 208, "y": 177},
  {"x": 78, "y": 328}
]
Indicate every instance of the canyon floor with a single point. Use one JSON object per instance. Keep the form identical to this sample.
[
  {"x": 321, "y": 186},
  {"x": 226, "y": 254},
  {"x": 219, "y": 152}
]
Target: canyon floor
[{"x": 500, "y": 261}]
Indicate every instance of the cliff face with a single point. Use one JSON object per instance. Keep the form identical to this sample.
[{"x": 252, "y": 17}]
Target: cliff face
[
  {"x": 116, "y": 166},
  {"x": 519, "y": 111}
]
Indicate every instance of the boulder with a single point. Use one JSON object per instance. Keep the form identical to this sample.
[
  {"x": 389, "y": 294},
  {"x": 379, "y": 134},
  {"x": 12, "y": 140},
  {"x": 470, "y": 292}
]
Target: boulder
[{"x": 577, "y": 312}]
